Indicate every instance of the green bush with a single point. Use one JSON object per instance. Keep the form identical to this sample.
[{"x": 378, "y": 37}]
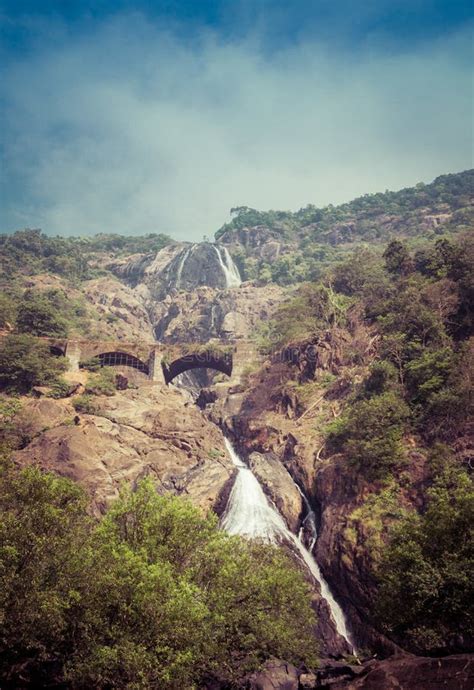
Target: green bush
[
  {"x": 382, "y": 378},
  {"x": 426, "y": 590},
  {"x": 25, "y": 362},
  {"x": 59, "y": 389},
  {"x": 85, "y": 404},
  {"x": 102, "y": 383},
  {"x": 37, "y": 315},
  {"x": 92, "y": 364},
  {"x": 370, "y": 434},
  {"x": 154, "y": 596}
]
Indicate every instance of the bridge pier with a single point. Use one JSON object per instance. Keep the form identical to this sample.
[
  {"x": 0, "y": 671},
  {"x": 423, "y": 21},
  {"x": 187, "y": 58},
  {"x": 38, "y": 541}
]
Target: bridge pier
[
  {"x": 155, "y": 367},
  {"x": 73, "y": 353}
]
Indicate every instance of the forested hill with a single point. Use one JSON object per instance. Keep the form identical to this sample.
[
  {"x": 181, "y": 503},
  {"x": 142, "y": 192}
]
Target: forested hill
[
  {"x": 269, "y": 246},
  {"x": 446, "y": 202},
  {"x": 287, "y": 247}
]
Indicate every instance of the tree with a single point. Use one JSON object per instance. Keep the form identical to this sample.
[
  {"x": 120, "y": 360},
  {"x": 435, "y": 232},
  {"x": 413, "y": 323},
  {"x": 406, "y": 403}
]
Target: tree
[
  {"x": 38, "y": 316},
  {"x": 370, "y": 434},
  {"x": 25, "y": 362},
  {"x": 45, "y": 561},
  {"x": 153, "y": 596},
  {"x": 397, "y": 258},
  {"x": 426, "y": 590}
]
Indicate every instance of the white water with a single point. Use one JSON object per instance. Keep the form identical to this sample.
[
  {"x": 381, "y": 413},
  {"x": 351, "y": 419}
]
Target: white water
[
  {"x": 250, "y": 514},
  {"x": 230, "y": 270},
  {"x": 184, "y": 256}
]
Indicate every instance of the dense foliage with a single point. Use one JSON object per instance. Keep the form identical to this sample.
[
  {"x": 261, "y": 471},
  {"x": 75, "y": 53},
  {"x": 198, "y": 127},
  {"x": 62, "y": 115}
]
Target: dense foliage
[
  {"x": 29, "y": 252},
  {"x": 426, "y": 586},
  {"x": 51, "y": 312},
  {"x": 397, "y": 406},
  {"x": 26, "y": 362},
  {"x": 152, "y": 596},
  {"x": 446, "y": 192}
]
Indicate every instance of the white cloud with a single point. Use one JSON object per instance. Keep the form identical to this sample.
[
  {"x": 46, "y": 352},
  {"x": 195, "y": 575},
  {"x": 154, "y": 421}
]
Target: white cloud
[{"x": 130, "y": 129}]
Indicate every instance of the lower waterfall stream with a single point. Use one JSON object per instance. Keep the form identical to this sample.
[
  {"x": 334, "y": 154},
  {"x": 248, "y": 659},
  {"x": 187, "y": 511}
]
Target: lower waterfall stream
[{"x": 250, "y": 514}]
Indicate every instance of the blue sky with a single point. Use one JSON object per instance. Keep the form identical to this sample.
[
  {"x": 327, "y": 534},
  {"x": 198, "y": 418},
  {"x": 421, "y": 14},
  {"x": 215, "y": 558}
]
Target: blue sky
[{"x": 160, "y": 116}]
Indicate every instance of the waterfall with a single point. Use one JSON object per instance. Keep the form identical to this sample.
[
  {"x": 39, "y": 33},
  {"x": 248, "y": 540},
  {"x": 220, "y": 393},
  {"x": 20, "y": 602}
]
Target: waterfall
[
  {"x": 230, "y": 270},
  {"x": 188, "y": 382},
  {"x": 182, "y": 260},
  {"x": 250, "y": 514}
]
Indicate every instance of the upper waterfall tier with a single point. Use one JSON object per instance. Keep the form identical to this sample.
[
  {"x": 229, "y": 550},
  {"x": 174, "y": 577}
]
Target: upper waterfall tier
[{"x": 182, "y": 266}]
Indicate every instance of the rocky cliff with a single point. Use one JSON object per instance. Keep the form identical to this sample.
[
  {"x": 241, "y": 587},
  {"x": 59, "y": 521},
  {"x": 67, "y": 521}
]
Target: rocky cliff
[{"x": 151, "y": 431}]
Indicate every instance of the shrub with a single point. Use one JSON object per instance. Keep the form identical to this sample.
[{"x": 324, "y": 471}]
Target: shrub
[
  {"x": 382, "y": 377},
  {"x": 370, "y": 434},
  {"x": 85, "y": 404},
  {"x": 102, "y": 383},
  {"x": 92, "y": 364},
  {"x": 25, "y": 362},
  {"x": 59, "y": 389}
]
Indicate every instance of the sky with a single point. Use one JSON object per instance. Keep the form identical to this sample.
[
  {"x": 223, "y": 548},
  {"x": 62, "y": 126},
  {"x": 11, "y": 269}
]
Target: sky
[{"x": 160, "y": 116}]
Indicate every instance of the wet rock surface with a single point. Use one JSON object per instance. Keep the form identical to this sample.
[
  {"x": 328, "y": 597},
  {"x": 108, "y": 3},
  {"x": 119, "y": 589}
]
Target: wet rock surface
[{"x": 279, "y": 486}]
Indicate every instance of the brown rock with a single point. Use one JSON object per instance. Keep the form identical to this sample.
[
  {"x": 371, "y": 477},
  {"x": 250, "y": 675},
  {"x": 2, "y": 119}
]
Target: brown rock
[
  {"x": 307, "y": 681},
  {"x": 276, "y": 675},
  {"x": 279, "y": 486},
  {"x": 417, "y": 673},
  {"x": 143, "y": 432}
]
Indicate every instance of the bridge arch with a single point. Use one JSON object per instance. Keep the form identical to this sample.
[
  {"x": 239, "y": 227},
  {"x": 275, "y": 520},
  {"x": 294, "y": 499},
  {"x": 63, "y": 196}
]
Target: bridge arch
[
  {"x": 57, "y": 351},
  {"x": 207, "y": 359},
  {"x": 116, "y": 358}
]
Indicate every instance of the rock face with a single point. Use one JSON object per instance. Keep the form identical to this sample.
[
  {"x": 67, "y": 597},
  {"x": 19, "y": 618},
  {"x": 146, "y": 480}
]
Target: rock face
[
  {"x": 260, "y": 242},
  {"x": 181, "y": 266},
  {"x": 151, "y": 431},
  {"x": 279, "y": 486},
  {"x": 186, "y": 292},
  {"x": 416, "y": 673},
  {"x": 275, "y": 675},
  {"x": 207, "y": 313},
  {"x": 272, "y": 423},
  {"x": 121, "y": 307}
]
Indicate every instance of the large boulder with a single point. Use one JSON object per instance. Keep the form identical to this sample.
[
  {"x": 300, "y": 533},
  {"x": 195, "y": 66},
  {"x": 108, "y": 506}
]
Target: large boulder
[
  {"x": 275, "y": 675},
  {"x": 279, "y": 486},
  {"x": 150, "y": 431}
]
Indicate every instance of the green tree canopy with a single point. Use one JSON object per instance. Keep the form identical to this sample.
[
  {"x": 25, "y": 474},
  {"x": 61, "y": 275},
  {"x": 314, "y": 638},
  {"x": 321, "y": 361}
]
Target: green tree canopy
[
  {"x": 25, "y": 362},
  {"x": 37, "y": 315},
  {"x": 426, "y": 585},
  {"x": 153, "y": 596}
]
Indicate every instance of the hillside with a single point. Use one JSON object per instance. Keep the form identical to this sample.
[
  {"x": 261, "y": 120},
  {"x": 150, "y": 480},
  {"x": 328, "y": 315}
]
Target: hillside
[
  {"x": 348, "y": 415},
  {"x": 289, "y": 247}
]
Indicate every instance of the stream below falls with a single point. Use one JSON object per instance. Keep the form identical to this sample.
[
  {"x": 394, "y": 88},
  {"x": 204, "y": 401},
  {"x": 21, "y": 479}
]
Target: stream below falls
[{"x": 249, "y": 513}]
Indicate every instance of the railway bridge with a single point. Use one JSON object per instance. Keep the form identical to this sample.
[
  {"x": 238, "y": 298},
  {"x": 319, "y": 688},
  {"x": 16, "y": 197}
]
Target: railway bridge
[{"x": 160, "y": 362}]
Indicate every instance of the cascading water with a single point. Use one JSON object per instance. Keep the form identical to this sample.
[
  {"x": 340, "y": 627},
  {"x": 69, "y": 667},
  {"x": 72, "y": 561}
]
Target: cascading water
[
  {"x": 250, "y": 514},
  {"x": 230, "y": 270},
  {"x": 182, "y": 260}
]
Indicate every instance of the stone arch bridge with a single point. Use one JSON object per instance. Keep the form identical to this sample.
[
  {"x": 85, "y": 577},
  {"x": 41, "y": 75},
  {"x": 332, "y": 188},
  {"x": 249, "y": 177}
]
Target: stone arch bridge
[{"x": 158, "y": 362}]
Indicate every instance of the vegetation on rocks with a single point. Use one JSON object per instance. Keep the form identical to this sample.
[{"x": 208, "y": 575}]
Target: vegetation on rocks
[
  {"x": 29, "y": 252},
  {"x": 153, "y": 595},
  {"x": 398, "y": 406},
  {"x": 426, "y": 588},
  {"x": 26, "y": 362},
  {"x": 313, "y": 239}
]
